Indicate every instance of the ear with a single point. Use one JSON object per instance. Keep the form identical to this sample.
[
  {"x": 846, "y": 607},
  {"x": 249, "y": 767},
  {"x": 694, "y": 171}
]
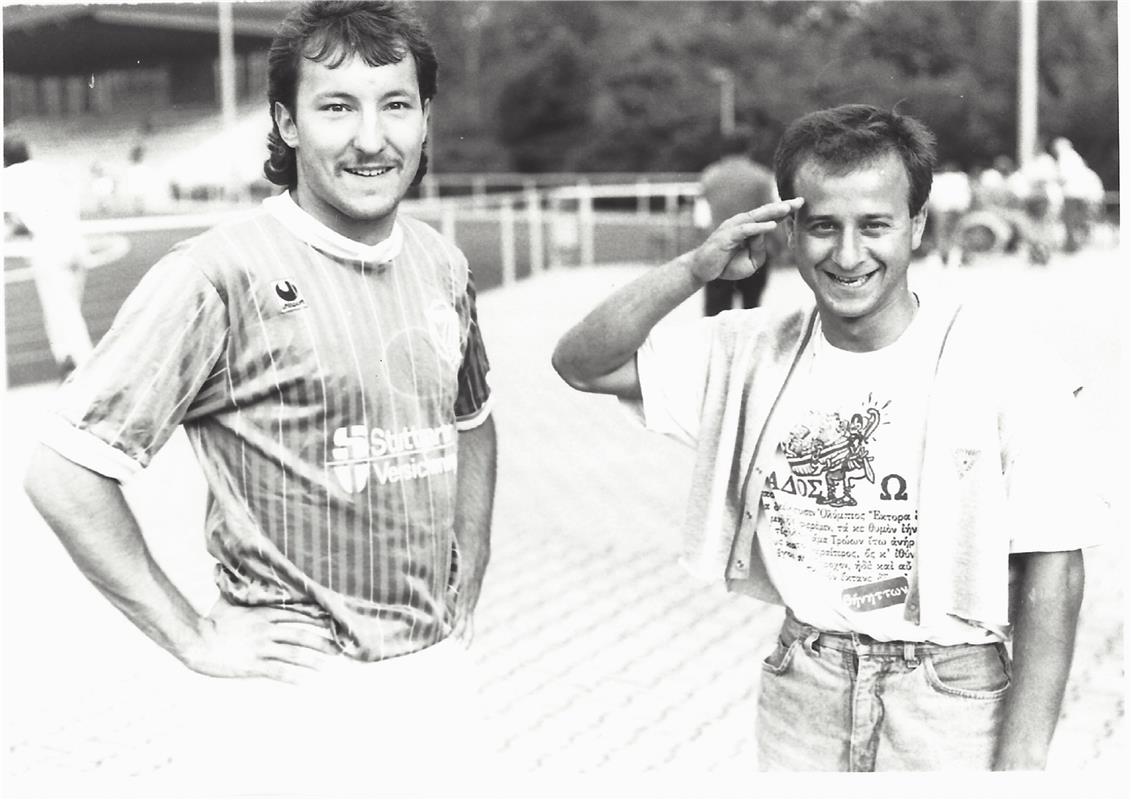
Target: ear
[
  {"x": 918, "y": 223},
  {"x": 285, "y": 121},
  {"x": 426, "y": 107}
]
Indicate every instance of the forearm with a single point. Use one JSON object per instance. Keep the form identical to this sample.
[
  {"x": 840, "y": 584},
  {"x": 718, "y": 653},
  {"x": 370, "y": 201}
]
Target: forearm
[
  {"x": 1044, "y": 636},
  {"x": 475, "y": 498},
  {"x": 89, "y": 514},
  {"x": 609, "y": 336}
]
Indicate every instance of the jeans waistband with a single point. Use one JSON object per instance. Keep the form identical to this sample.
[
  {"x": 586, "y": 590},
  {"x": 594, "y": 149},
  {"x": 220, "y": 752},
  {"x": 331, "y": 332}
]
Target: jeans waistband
[{"x": 862, "y": 644}]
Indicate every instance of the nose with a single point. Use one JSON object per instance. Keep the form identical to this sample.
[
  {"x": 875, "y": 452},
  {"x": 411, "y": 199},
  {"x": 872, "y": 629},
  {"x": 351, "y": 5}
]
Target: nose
[
  {"x": 369, "y": 137},
  {"x": 849, "y": 250}
]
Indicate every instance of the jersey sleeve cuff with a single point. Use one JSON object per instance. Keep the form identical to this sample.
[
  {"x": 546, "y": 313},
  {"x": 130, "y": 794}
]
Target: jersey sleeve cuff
[
  {"x": 477, "y": 418},
  {"x": 87, "y": 450}
]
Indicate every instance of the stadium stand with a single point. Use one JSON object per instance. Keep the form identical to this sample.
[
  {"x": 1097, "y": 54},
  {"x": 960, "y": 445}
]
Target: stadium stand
[{"x": 86, "y": 85}]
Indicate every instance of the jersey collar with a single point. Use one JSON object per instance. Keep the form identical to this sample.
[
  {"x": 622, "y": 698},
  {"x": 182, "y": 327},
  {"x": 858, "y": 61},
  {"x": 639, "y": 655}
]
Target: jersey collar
[{"x": 283, "y": 208}]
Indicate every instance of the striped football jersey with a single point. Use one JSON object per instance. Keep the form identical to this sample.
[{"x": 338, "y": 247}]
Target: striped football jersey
[{"x": 323, "y": 384}]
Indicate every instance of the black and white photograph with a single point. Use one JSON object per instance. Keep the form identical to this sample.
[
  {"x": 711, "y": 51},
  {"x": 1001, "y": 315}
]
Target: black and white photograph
[{"x": 564, "y": 398}]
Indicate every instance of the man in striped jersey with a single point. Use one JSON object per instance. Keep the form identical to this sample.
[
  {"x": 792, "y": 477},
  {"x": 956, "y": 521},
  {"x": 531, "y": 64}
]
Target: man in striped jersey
[{"x": 324, "y": 358}]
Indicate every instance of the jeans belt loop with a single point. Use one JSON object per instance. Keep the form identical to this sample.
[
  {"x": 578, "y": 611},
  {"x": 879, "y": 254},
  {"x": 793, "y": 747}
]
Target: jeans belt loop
[
  {"x": 909, "y": 656},
  {"x": 810, "y": 640}
]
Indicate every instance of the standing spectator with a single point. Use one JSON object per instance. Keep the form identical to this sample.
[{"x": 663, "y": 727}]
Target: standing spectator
[
  {"x": 1042, "y": 199},
  {"x": 324, "y": 358},
  {"x": 1082, "y": 190},
  {"x": 732, "y": 185},
  {"x": 37, "y": 200},
  {"x": 951, "y": 197},
  {"x": 144, "y": 189}
]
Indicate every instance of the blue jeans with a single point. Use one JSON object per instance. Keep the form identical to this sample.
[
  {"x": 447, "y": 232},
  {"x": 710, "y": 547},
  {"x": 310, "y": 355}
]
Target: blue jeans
[{"x": 839, "y": 702}]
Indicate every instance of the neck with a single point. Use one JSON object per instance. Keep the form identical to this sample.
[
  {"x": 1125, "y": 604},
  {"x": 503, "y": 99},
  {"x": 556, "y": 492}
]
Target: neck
[
  {"x": 364, "y": 231},
  {"x": 871, "y": 332}
]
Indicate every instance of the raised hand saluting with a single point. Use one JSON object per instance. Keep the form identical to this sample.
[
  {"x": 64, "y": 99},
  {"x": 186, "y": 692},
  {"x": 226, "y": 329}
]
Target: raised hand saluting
[{"x": 737, "y": 248}]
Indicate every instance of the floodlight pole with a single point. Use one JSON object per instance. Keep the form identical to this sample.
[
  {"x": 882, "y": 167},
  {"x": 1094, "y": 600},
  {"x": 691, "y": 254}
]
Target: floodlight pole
[
  {"x": 1027, "y": 90},
  {"x": 725, "y": 79},
  {"x": 228, "y": 85}
]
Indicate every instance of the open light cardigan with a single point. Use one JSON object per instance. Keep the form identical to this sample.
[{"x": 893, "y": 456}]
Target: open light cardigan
[{"x": 999, "y": 445}]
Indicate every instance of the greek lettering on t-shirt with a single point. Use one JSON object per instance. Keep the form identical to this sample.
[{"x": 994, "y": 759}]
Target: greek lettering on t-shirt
[{"x": 839, "y": 521}]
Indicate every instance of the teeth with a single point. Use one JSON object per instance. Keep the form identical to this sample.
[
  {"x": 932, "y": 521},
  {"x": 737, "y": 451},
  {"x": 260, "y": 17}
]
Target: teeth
[
  {"x": 849, "y": 281},
  {"x": 369, "y": 173}
]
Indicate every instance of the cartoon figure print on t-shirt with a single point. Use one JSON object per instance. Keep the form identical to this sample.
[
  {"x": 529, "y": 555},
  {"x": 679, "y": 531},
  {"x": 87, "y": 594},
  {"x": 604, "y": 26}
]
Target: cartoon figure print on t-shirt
[
  {"x": 837, "y": 503},
  {"x": 838, "y": 453}
]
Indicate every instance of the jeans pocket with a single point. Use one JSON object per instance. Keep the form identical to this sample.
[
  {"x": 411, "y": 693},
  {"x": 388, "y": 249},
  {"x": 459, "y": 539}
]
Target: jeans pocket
[
  {"x": 778, "y": 660},
  {"x": 976, "y": 672}
]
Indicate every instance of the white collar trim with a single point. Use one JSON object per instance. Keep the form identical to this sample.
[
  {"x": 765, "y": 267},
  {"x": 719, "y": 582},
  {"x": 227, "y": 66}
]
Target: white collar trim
[{"x": 283, "y": 208}]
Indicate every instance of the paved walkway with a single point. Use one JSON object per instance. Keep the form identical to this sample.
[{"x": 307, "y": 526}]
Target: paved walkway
[{"x": 599, "y": 656}]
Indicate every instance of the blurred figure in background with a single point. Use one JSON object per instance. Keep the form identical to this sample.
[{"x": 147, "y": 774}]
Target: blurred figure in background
[
  {"x": 1083, "y": 193},
  {"x": 991, "y": 189},
  {"x": 951, "y": 197},
  {"x": 1037, "y": 183},
  {"x": 38, "y": 201},
  {"x": 735, "y": 184},
  {"x": 144, "y": 190}
]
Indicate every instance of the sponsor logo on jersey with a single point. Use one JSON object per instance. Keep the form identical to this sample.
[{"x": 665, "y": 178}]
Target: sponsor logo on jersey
[
  {"x": 391, "y": 456},
  {"x": 288, "y": 295}
]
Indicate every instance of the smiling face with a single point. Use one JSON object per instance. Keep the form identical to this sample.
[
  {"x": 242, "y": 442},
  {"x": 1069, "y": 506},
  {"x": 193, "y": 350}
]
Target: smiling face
[
  {"x": 852, "y": 242},
  {"x": 358, "y": 132}
]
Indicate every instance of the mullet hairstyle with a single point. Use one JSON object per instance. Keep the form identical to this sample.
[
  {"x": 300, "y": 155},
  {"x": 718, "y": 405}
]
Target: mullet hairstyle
[
  {"x": 844, "y": 138},
  {"x": 329, "y": 32}
]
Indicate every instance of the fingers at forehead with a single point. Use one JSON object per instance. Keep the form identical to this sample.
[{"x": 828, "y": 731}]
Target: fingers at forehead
[
  {"x": 747, "y": 229},
  {"x": 771, "y": 212},
  {"x": 775, "y": 211}
]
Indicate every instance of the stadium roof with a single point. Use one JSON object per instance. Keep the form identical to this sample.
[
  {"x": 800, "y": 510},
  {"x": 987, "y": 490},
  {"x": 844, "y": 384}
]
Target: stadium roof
[{"x": 93, "y": 38}]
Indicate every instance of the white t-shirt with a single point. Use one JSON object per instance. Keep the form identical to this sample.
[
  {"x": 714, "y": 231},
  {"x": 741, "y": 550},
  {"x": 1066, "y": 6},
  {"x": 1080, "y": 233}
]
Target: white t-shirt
[{"x": 839, "y": 521}]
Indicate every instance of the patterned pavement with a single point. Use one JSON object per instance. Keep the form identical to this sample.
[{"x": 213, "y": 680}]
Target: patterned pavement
[{"x": 609, "y": 670}]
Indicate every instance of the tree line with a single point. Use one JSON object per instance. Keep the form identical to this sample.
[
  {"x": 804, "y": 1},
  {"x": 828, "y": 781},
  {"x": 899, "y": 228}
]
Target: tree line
[{"x": 594, "y": 86}]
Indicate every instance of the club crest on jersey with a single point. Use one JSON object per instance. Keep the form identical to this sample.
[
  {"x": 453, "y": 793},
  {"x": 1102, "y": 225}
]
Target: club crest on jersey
[
  {"x": 288, "y": 296},
  {"x": 443, "y": 327}
]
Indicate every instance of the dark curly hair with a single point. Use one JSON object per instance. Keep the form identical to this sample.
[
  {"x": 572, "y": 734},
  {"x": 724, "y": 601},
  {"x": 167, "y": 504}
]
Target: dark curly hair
[
  {"x": 845, "y": 136},
  {"x": 329, "y": 32}
]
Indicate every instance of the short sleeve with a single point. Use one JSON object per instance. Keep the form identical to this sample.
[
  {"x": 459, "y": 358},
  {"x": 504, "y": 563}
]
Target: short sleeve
[
  {"x": 116, "y": 411},
  {"x": 473, "y": 395},
  {"x": 672, "y": 369}
]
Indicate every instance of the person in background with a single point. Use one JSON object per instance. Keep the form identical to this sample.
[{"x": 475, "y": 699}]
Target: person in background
[
  {"x": 732, "y": 185},
  {"x": 1083, "y": 193},
  {"x": 324, "y": 358},
  {"x": 951, "y": 197},
  {"x": 1037, "y": 183},
  {"x": 866, "y": 462},
  {"x": 37, "y": 201}
]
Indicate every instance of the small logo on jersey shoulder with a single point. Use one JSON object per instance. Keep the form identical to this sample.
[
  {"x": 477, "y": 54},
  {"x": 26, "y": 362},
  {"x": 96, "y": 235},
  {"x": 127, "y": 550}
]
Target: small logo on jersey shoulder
[{"x": 289, "y": 297}]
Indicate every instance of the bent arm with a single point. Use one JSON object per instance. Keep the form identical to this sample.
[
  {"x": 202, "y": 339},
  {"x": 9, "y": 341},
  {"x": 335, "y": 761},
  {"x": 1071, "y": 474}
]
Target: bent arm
[
  {"x": 1051, "y": 587},
  {"x": 475, "y": 499},
  {"x": 89, "y": 514},
  {"x": 597, "y": 354}
]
